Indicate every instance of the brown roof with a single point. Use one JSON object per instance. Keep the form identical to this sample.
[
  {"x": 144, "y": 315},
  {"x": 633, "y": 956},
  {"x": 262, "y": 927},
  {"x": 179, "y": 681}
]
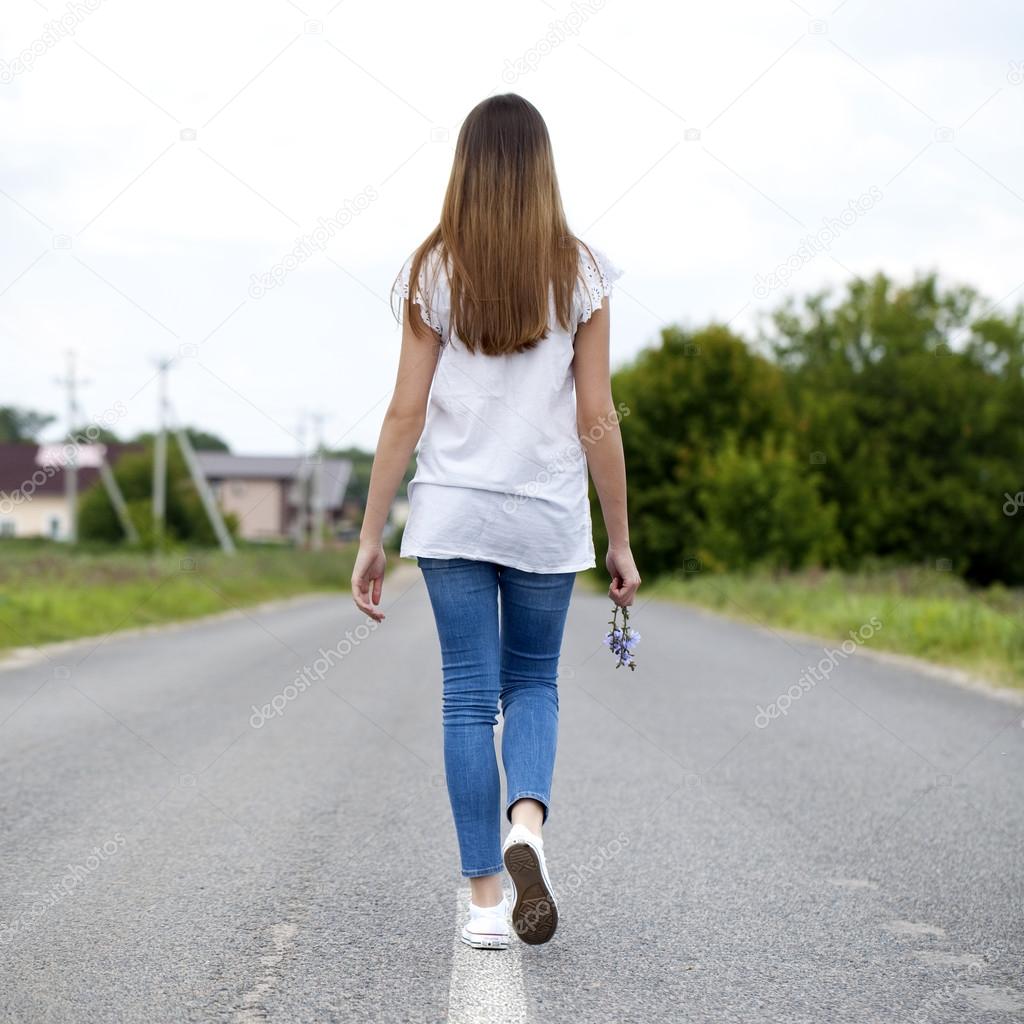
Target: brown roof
[{"x": 19, "y": 469}]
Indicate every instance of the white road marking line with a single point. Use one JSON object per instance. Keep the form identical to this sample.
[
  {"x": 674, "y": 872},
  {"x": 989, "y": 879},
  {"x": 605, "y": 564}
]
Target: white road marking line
[
  {"x": 940, "y": 958},
  {"x": 251, "y": 1009},
  {"x": 487, "y": 984},
  {"x": 915, "y": 928},
  {"x": 988, "y": 997},
  {"x": 853, "y": 883}
]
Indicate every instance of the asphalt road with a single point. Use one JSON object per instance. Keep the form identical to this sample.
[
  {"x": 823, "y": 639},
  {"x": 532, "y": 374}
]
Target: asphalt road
[{"x": 171, "y": 852}]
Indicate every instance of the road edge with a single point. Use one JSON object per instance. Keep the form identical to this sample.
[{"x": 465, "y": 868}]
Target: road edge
[{"x": 32, "y": 654}]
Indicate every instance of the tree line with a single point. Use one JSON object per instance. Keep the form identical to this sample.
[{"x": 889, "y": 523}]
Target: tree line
[
  {"x": 885, "y": 426},
  {"x": 882, "y": 426}
]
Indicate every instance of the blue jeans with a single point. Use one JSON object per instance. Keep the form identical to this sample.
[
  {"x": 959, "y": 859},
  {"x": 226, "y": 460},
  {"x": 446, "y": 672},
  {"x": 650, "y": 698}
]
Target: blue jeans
[{"x": 493, "y": 653}]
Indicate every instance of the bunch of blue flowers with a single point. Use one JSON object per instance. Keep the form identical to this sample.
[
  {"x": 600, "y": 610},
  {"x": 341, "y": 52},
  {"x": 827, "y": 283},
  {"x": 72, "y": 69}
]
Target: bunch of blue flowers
[{"x": 621, "y": 640}]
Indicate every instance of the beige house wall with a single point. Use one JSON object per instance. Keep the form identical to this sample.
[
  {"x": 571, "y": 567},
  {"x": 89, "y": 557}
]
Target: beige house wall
[
  {"x": 33, "y": 517},
  {"x": 257, "y": 503}
]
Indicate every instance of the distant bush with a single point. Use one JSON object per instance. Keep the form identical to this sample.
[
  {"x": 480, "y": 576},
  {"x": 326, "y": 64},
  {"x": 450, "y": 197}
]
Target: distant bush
[
  {"x": 186, "y": 521},
  {"x": 763, "y": 509}
]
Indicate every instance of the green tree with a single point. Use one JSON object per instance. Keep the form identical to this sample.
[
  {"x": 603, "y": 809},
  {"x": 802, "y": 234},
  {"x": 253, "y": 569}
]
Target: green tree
[
  {"x": 17, "y": 424},
  {"x": 681, "y": 401},
  {"x": 912, "y": 396},
  {"x": 761, "y": 507},
  {"x": 885, "y": 424},
  {"x": 359, "y": 482},
  {"x": 202, "y": 440}
]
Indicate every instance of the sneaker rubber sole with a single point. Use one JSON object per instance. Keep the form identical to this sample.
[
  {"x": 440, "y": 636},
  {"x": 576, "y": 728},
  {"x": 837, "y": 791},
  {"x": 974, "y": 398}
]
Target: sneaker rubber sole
[
  {"x": 534, "y": 915},
  {"x": 485, "y": 941}
]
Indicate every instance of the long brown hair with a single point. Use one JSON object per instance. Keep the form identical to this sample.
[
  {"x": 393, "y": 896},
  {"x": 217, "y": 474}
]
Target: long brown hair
[{"x": 502, "y": 239}]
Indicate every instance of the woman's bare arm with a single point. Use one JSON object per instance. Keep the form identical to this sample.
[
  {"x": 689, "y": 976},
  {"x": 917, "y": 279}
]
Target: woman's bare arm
[
  {"x": 402, "y": 427},
  {"x": 598, "y": 422}
]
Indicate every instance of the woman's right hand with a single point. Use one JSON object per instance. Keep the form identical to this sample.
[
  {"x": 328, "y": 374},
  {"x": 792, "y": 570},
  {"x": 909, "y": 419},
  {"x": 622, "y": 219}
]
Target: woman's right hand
[
  {"x": 625, "y": 578},
  {"x": 368, "y": 580}
]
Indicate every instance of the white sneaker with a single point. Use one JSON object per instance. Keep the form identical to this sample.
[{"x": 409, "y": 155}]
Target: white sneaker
[
  {"x": 534, "y": 915},
  {"x": 487, "y": 927}
]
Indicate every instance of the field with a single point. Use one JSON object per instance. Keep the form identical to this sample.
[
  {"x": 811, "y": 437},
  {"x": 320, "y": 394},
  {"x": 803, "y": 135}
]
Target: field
[
  {"x": 50, "y": 593},
  {"x": 924, "y": 613}
]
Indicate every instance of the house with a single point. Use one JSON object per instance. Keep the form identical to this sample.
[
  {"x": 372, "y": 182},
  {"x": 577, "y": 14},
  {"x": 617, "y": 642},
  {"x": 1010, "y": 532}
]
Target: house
[
  {"x": 273, "y": 496},
  {"x": 33, "y": 495}
]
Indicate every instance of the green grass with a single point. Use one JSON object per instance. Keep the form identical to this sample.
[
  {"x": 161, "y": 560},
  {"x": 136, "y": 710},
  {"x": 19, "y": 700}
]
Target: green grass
[
  {"x": 927, "y": 614},
  {"x": 49, "y": 592}
]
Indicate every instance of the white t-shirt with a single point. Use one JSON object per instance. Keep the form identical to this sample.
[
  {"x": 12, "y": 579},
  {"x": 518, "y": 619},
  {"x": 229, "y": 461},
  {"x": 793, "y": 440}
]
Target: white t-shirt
[{"x": 501, "y": 475}]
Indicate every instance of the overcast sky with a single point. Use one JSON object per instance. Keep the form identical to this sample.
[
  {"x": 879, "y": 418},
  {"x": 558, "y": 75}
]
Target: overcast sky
[{"x": 158, "y": 159}]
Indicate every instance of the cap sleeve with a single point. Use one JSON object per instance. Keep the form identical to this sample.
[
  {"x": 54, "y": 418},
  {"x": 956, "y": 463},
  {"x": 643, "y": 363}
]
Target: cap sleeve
[
  {"x": 598, "y": 273},
  {"x": 425, "y": 297}
]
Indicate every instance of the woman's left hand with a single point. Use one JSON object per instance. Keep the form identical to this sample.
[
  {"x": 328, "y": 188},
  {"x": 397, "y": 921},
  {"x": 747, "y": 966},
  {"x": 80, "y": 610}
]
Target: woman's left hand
[{"x": 368, "y": 580}]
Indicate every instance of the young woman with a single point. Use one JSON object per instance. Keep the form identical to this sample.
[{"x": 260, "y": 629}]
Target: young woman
[{"x": 503, "y": 378}]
